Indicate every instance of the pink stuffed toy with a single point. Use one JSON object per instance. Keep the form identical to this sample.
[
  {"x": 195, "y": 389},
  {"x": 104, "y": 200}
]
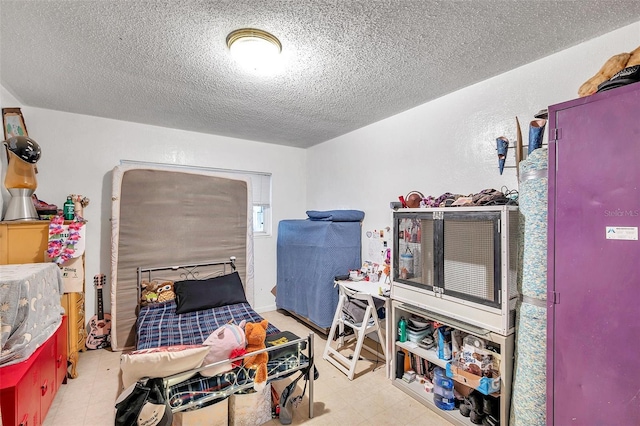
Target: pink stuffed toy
[{"x": 225, "y": 341}]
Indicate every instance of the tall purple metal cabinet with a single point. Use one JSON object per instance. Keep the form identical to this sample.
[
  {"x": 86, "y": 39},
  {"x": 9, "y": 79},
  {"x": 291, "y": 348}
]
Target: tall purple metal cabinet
[{"x": 593, "y": 317}]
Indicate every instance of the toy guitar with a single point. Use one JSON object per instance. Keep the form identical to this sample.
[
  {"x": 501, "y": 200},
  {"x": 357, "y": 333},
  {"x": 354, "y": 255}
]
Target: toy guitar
[{"x": 99, "y": 335}]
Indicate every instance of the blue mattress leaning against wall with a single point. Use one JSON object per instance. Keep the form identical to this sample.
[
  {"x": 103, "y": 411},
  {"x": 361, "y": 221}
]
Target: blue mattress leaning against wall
[{"x": 310, "y": 253}]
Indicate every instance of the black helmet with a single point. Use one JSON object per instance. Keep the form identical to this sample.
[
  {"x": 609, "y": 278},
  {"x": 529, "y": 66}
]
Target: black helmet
[{"x": 24, "y": 147}]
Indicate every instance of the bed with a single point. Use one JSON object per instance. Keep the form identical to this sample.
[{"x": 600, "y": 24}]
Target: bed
[
  {"x": 196, "y": 289},
  {"x": 30, "y": 309}
]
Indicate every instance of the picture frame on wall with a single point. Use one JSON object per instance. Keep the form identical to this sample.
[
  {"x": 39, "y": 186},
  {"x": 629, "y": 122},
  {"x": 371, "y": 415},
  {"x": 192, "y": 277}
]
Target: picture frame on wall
[{"x": 13, "y": 123}]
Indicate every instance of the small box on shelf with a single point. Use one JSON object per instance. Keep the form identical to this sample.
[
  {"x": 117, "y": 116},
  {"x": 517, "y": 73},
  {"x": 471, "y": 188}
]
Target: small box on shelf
[
  {"x": 409, "y": 376},
  {"x": 486, "y": 385}
]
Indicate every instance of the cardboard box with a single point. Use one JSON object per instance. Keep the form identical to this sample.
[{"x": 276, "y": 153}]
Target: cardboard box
[
  {"x": 486, "y": 385},
  {"x": 482, "y": 358},
  {"x": 463, "y": 390},
  {"x": 213, "y": 415}
]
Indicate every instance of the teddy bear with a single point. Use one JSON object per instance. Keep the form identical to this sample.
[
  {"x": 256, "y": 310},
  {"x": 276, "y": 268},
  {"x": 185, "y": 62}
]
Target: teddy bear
[
  {"x": 613, "y": 65},
  {"x": 225, "y": 343},
  {"x": 256, "y": 333}
]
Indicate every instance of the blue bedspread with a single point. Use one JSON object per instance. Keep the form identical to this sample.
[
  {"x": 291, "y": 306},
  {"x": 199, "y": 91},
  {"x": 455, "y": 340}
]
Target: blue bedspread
[
  {"x": 310, "y": 253},
  {"x": 158, "y": 325}
]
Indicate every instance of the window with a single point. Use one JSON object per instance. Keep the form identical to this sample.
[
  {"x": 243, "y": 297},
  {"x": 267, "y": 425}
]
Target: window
[
  {"x": 260, "y": 191},
  {"x": 258, "y": 219},
  {"x": 261, "y": 195}
]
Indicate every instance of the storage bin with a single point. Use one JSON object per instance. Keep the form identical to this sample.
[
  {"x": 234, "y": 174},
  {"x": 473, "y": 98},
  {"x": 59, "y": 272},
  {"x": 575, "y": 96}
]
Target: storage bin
[
  {"x": 213, "y": 415},
  {"x": 486, "y": 385},
  {"x": 250, "y": 409}
]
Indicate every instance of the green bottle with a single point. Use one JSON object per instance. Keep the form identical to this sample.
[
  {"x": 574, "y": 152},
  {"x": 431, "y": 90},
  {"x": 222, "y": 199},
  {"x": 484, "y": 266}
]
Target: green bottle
[
  {"x": 68, "y": 209},
  {"x": 402, "y": 330}
]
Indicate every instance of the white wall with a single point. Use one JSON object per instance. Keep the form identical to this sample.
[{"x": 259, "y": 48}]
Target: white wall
[
  {"x": 79, "y": 152},
  {"x": 448, "y": 145}
]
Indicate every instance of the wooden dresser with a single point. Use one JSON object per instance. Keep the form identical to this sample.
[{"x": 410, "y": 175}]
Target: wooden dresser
[{"x": 26, "y": 242}]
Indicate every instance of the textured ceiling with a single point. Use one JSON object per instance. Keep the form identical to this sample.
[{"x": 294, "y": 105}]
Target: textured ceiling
[{"x": 345, "y": 63}]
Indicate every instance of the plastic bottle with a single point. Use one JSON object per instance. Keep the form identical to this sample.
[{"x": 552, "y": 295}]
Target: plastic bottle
[
  {"x": 68, "y": 209},
  {"x": 443, "y": 396},
  {"x": 399, "y": 364},
  {"x": 402, "y": 330},
  {"x": 444, "y": 342}
]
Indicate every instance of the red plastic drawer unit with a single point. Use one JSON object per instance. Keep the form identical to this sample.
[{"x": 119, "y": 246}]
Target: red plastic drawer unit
[{"x": 28, "y": 388}]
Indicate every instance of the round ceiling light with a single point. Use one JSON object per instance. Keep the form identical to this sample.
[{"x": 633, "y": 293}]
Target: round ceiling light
[{"x": 253, "y": 48}]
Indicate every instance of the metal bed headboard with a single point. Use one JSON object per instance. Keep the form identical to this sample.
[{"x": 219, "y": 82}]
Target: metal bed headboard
[{"x": 193, "y": 271}]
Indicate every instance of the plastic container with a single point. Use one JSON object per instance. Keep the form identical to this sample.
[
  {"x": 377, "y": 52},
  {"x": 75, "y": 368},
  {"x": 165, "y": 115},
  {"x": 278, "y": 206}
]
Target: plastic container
[
  {"x": 406, "y": 265},
  {"x": 474, "y": 342},
  {"x": 443, "y": 396}
]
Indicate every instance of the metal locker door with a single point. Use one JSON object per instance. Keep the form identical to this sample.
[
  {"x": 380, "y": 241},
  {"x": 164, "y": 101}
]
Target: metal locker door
[{"x": 594, "y": 260}]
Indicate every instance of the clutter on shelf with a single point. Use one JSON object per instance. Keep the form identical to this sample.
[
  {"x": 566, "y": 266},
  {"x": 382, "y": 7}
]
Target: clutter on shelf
[
  {"x": 467, "y": 378},
  {"x": 486, "y": 197}
]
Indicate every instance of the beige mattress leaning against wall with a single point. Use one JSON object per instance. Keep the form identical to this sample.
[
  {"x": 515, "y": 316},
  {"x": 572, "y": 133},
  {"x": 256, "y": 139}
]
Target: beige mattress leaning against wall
[{"x": 163, "y": 216}]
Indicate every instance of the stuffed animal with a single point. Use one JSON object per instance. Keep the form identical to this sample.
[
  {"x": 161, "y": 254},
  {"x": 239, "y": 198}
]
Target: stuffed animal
[
  {"x": 226, "y": 342},
  {"x": 613, "y": 65},
  {"x": 165, "y": 292},
  {"x": 149, "y": 294},
  {"x": 256, "y": 334},
  {"x": 634, "y": 59},
  {"x": 153, "y": 292}
]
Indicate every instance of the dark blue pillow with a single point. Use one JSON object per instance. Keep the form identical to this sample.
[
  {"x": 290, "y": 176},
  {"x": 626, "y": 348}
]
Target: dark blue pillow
[{"x": 198, "y": 295}]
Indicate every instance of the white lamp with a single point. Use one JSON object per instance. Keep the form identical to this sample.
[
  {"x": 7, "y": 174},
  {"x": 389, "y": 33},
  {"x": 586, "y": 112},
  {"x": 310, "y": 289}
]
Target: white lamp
[{"x": 253, "y": 48}]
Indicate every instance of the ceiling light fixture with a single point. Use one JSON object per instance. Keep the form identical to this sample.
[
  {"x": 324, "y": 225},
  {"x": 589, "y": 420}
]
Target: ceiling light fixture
[{"x": 253, "y": 48}]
